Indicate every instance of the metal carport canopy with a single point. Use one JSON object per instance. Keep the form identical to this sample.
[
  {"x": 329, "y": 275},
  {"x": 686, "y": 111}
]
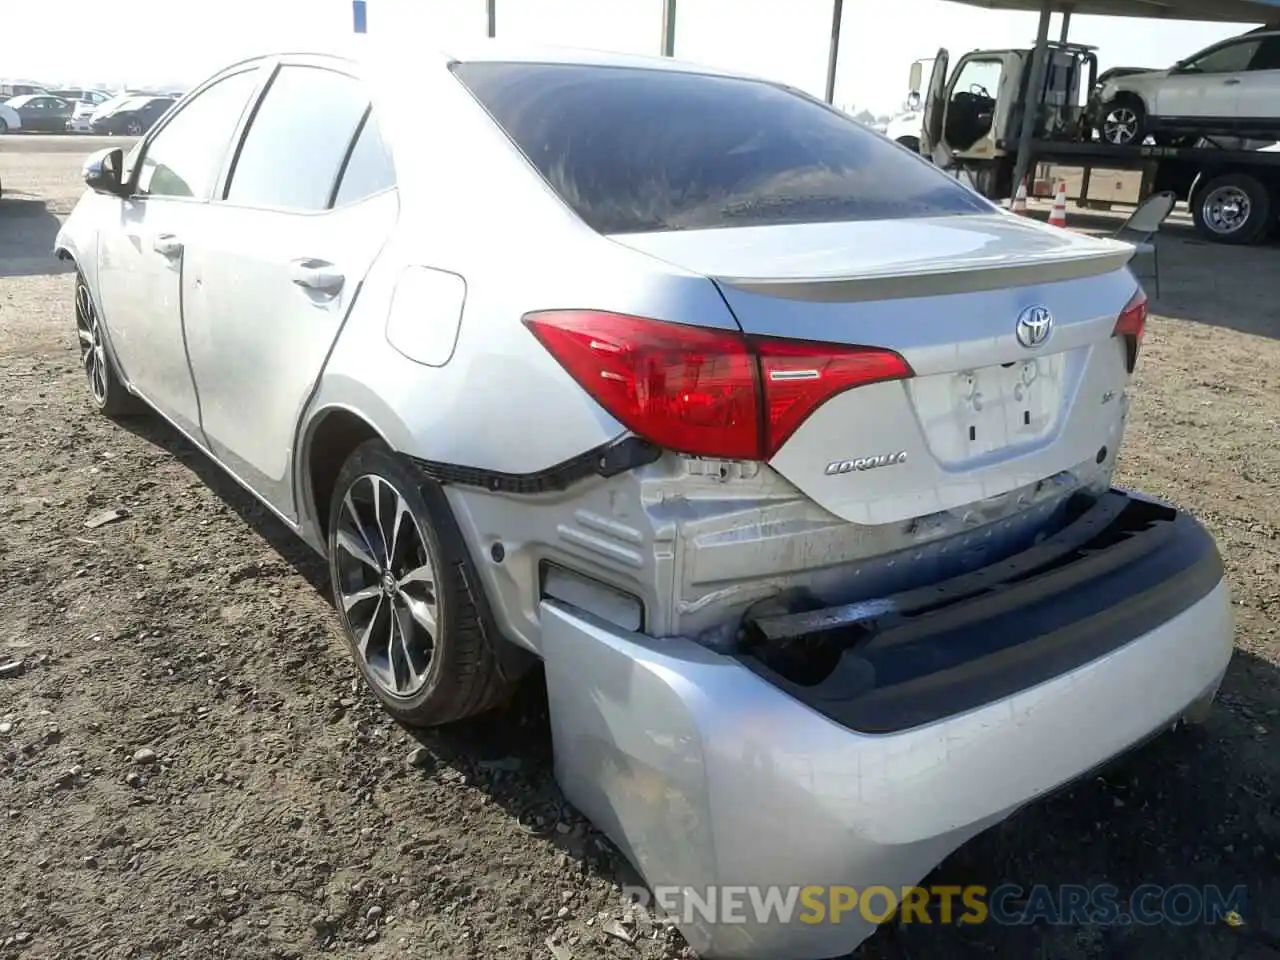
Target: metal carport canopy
[{"x": 1220, "y": 11}]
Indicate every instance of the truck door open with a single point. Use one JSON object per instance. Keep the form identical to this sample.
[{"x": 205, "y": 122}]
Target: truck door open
[
  {"x": 971, "y": 99},
  {"x": 935, "y": 104}
]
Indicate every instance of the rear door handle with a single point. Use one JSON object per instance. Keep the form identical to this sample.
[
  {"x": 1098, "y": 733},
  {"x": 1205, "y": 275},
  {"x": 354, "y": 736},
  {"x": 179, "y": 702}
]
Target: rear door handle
[
  {"x": 167, "y": 244},
  {"x": 318, "y": 275},
  {"x": 1232, "y": 82}
]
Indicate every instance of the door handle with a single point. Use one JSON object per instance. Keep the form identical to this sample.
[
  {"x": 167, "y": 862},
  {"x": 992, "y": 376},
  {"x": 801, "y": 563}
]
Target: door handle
[
  {"x": 166, "y": 244},
  {"x": 318, "y": 275},
  {"x": 1232, "y": 82}
]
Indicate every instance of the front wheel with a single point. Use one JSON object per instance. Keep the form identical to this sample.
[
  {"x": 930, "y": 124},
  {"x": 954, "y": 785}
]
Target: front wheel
[
  {"x": 406, "y": 609},
  {"x": 1234, "y": 208},
  {"x": 109, "y": 394},
  {"x": 1124, "y": 122}
]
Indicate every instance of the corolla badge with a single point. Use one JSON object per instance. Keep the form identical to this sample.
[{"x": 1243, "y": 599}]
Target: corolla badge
[
  {"x": 837, "y": 467},
  {"x": 1035, "y": 325}
]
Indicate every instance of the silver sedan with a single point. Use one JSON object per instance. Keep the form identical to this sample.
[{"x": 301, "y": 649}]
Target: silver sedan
[{"x": 787, "y": 457}]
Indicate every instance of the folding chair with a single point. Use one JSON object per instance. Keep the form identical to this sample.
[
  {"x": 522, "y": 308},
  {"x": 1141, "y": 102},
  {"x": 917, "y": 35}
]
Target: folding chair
[{"x": 1140, "y": 229}]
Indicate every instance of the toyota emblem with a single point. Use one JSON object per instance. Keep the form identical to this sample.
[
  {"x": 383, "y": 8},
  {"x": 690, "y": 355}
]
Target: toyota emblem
[{"x": 1035, "y": 324}]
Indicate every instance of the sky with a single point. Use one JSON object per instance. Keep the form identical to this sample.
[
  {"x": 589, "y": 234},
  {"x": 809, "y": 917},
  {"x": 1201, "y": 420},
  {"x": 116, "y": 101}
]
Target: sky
[{"x": 179, "y": 42}]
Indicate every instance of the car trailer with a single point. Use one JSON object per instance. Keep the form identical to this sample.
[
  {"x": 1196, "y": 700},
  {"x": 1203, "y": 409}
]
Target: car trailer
[{"x": 1234, "y": 194}]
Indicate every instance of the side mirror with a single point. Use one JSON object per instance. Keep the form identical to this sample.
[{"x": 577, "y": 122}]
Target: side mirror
[
  {"x": 102, "y": 172},
  {"x": 917, "y": 78},
  {"x": 913, "y": 100}
]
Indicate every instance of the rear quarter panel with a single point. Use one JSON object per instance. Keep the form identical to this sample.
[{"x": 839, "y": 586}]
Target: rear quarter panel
[{"x": 471, "y": 205}]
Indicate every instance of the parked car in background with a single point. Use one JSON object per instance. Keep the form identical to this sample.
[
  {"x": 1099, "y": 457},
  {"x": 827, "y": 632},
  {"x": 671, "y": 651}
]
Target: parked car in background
[
  {"x": 10, "y": 120},
  {"x": 82, "y": 117},
  {"x": 107, "y": 106},
  {"x": 82, "y": 95},
  {"x": 42, "y": 112},
  {"x": 84, "y": 102},
  {"x": 789, "y": 457},
  {"x": 11, "y": 89},
  {"x": 1230, "y": 88},
  {"x": 132, "y": 117}
]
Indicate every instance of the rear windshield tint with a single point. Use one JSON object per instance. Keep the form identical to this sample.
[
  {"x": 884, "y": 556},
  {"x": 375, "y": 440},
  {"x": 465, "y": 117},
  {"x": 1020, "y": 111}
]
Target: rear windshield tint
[{"x": 637, "y": 150}]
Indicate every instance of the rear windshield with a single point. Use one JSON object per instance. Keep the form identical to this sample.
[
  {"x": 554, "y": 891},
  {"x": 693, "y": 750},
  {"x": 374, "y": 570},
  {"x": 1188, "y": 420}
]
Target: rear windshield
[{"x": 636, "y": 150}]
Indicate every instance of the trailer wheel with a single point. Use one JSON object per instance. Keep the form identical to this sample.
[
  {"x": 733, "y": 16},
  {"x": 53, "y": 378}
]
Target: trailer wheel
[{"x": 1233, "y": 208}]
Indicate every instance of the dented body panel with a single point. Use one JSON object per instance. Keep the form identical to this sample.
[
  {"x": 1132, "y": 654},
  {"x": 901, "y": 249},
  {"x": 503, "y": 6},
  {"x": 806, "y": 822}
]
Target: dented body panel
[
  {"x": 707, "y": 776},
  {"x": 698, "y": 542}
]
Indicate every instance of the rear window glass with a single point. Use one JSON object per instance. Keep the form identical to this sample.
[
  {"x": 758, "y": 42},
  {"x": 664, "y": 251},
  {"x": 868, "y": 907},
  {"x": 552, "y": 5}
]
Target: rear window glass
[{"x": 636, "y": 150}]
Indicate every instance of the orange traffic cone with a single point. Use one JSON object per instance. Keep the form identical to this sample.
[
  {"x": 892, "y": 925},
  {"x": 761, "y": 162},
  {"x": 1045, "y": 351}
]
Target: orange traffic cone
[
  {"x": 1058, "y": 215},
  {"x": 1020, "y": 199}
]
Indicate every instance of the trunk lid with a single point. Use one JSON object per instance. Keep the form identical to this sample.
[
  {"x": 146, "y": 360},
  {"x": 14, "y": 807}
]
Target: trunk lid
[{"x": 986, "y": 413}]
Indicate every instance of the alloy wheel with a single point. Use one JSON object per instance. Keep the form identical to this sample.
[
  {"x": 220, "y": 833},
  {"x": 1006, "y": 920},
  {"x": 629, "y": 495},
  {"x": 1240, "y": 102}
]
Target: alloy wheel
[
  {"x": 386, "y": 585},
  {"x": 1121, "y": 126},
  {"x": 93, "y": 355}
]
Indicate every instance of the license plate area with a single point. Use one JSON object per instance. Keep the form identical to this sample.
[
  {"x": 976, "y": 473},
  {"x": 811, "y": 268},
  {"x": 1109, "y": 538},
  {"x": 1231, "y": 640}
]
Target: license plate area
[{"x": 971, "y": 414}]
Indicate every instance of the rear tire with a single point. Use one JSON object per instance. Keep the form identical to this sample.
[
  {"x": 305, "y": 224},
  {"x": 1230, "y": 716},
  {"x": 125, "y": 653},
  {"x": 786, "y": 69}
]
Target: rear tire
[
  {"x": 403, "y": 596},
  {"x": 106, "y": 389},
  {"x": 4, "y": 127},
  {"x": 1234, "y": 208}
]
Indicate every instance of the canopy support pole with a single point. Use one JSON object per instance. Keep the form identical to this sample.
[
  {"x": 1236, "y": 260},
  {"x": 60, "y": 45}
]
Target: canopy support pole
[
  {"x": 492, "y": 6},
  {"x": 1066, "y": 25},
  {"x": 668, "y": 28},
  {"x": 1031, "y": 101},
  {"x": 833, "y": 55}
]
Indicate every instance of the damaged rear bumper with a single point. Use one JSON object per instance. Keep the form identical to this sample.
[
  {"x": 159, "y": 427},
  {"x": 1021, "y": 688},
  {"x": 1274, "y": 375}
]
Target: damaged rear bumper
[{"x": 936, "y": 721}]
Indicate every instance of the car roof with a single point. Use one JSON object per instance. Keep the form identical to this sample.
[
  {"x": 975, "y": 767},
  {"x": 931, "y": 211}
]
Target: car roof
[
  {"x": 398, "y": 67},
  {"x": 499, "y": 51},
  {"x": 403, "y": 53}
]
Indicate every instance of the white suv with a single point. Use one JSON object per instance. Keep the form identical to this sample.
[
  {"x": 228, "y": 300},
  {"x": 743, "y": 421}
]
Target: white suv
[{"x": 1232, "y": 87}]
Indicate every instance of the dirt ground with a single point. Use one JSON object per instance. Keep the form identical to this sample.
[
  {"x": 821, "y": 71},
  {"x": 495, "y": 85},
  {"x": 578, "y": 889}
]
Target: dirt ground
[{"x": 188, "y": 767}]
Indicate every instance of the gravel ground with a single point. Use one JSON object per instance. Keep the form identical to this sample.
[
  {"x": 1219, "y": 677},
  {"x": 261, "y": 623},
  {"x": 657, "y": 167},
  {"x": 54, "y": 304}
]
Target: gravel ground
[{"x": 189, "y": 769}]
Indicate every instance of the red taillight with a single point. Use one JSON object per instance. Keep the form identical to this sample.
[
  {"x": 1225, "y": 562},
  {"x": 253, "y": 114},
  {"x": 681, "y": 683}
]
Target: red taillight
[
  {"x": 1132, "y": 324},
  {"x": 799, "y": 377},
  {"x": 711, "y": 393}
]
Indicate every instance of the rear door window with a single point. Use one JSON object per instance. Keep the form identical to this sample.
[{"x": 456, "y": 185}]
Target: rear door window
[
  {"x": 637, "y": 150},
  {"x": 369, "y": 169},
  {"x": 298, "y": 140}
]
